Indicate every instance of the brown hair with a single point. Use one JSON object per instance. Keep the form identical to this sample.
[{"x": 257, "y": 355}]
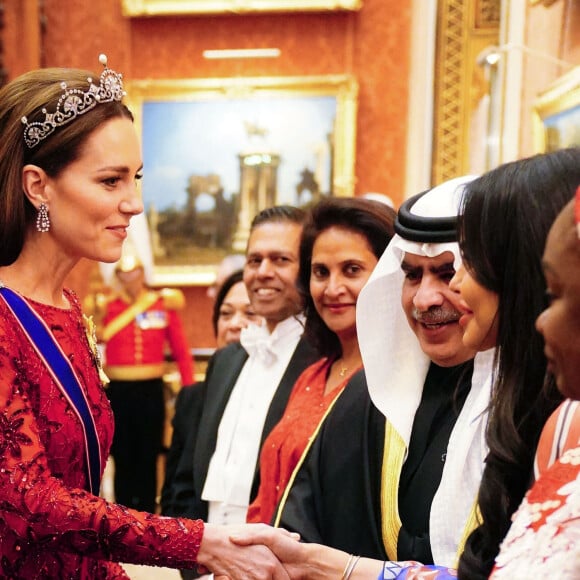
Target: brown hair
[
  {"x": 371, "y": 219},
  {"x": 27, "y": 96},
  {"x": 505, "y": 219}
]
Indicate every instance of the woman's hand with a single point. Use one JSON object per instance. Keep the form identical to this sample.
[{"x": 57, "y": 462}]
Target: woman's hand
[
  {"x": 308, "y": 561},
  {"x": 220, "y": 555},
  {"x": 301, "y": 561}
]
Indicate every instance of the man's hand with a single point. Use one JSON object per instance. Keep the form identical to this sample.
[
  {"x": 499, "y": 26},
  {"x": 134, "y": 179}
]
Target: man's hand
[
  {"x": 307, "y": 561},
  {"x": 227, "y": 559},
  {"x": 301, "y": 561}
]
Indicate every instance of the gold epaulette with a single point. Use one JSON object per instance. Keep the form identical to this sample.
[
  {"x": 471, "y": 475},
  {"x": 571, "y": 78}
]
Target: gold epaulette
[
  {"x": 95, "y": 305},
  {"x": 173, "y": 299},
  {"x": 143, "y": 372}
]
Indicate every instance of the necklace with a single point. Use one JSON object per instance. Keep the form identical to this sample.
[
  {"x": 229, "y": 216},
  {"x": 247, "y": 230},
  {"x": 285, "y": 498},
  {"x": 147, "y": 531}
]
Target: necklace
[{"x": 342, "y": 372}]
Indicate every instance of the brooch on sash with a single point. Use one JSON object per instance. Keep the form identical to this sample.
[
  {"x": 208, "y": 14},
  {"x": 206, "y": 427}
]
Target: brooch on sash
[{"x": 91, "y": 332}]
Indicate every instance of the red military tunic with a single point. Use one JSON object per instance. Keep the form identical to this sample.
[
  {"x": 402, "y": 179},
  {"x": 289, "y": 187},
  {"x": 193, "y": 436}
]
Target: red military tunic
[
  {"x": 137, "y": 350},
  {"x": 136, "y": 333}
]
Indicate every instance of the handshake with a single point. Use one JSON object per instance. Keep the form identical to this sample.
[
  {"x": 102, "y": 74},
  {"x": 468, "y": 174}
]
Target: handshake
[{"x": 260, "y": 552}]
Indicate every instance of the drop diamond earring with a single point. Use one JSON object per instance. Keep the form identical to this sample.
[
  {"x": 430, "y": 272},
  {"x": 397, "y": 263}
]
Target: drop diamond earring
[{"x": 42, "y": 219}]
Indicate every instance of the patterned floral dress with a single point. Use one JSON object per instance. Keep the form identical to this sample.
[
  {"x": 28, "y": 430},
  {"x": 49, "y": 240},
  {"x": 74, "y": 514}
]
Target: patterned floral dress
[
  {"x": 50, "y": 526},
  {"x": 544, "y": 538}
]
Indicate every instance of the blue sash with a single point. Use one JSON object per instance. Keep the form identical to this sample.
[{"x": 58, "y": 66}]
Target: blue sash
[{"x": 63, "y": 374}]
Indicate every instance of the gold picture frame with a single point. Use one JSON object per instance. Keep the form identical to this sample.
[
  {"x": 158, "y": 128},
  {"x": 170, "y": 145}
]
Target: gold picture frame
[
  {"x": 217, "y": 151},
  {"x": 165, "y": 7},
  {"x": 556, "y": 114}
]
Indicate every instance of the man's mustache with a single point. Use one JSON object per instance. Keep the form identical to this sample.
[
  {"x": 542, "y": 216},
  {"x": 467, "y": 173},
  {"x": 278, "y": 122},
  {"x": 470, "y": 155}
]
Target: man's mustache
[{"x": 436, "y": 315}]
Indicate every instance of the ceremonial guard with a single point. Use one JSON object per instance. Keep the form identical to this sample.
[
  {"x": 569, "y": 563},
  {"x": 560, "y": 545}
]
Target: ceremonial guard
[{"x": 135, "y": 327}]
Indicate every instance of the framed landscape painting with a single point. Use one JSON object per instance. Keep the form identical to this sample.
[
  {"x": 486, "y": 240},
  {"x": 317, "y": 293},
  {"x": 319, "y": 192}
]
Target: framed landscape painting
[
  {"x": 557, "y": 114},
  {"x": 217, "y": 151}
]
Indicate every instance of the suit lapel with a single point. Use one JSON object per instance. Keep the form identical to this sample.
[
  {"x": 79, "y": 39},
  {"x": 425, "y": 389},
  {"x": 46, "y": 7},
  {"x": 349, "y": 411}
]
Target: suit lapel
[
  {"x": 223, "y": 371},
  {"x": 304, "y": 355},
  {"x": 222, "y": 374}
]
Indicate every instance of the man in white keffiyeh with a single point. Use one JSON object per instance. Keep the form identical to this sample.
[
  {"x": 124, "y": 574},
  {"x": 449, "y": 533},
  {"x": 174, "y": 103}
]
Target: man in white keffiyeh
[
  {"x": 396, "y": 476},
  {"x": 411, "y": 355}
]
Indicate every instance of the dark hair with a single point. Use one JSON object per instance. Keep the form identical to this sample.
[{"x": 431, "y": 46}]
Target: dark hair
[
  {"x": 279, "y": 213},
  {"x": 26, "y": 96},
  {"x": 504, "y": 223},
  {"x": 372, "y": 219},
  {"x": 233, "y": 279}
]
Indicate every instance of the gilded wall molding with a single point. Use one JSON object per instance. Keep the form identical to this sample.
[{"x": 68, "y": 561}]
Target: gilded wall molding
[{"x": 464, "y": 27}]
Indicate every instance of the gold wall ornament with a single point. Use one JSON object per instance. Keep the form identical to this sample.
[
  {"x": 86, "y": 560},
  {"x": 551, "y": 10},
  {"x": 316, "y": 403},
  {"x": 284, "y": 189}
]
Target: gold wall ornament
[
  {"x": 464, "y": 28},
  {"x": 163, "y": 7},
  {"x": 216, "y": 151}
]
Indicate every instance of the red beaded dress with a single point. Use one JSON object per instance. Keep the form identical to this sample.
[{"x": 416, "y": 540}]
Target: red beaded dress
[
  {"x": 286, "y": 443},
  {"x": 50, "y": 526}
]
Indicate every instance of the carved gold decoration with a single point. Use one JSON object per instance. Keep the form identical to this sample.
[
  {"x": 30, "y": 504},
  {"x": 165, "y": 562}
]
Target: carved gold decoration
[
  {"x": 464, "y": 28},
  {"x": 487, "y": 14}
]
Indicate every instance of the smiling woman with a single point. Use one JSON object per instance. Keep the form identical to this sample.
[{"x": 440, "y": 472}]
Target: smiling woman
[
  {"x": 505, "y": 220},
  {"x": 342, "y": 261},
  {"x": 341, "y": 244},
  {"x": 480, "y": 308},
  {"x": 232, "y": 310},
  {"x": 69, "y": 159},
  {"x": 92, "y": 202}
]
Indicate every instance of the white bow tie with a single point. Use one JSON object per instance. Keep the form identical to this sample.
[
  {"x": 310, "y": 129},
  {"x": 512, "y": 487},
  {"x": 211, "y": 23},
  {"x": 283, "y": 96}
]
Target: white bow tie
[{"x": 258, "y": 342}]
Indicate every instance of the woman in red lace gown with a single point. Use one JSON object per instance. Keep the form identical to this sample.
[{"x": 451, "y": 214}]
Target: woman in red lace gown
[
  {"x": 341, "y": 244},
  {"x": 69, "y": 159}
]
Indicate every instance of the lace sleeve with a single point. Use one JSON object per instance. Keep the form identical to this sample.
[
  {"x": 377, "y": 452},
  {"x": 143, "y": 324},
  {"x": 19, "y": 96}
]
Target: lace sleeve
[{"x": 44, "y": 509}]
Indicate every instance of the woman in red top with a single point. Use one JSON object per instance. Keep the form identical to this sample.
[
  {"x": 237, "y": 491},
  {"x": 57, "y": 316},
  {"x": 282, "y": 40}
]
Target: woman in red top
[
  {"x": 341, "y": 244},
  {"x": 69, "y": 160}
]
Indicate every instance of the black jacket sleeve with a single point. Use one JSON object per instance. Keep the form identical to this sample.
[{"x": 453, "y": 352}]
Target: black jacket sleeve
[
  {"x": 335, "y": 498},
  {"x": 177, "y": 491},
  {"x": 302, "y": 510}
]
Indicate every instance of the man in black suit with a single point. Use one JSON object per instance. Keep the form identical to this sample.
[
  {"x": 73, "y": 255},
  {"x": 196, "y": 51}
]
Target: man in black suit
[{"x": 220, "y": 425}]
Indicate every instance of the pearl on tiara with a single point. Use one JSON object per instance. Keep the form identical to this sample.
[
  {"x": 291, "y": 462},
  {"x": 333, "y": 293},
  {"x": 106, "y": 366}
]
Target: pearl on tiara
[{"x": 75, "y": 102}]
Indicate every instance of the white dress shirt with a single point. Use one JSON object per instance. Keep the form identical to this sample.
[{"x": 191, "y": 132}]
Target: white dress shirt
[{"x": 231, "y": 470}]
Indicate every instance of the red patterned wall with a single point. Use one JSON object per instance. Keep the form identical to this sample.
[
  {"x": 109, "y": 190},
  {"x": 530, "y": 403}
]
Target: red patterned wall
[{"x": 372, "y": 44}]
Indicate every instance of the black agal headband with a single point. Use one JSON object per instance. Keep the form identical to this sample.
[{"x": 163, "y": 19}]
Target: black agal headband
[{"x": 416, "y": 228}]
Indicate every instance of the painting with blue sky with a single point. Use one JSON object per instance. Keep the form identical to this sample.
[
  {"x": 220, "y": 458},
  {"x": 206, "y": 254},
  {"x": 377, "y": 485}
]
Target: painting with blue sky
[
  {"x": 181, "y": 139},
  {"x": 192, "y": 145}
]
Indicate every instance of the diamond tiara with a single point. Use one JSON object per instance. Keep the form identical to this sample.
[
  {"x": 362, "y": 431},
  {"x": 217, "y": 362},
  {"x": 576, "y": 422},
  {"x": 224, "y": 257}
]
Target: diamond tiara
[{"x": 75, "y": 102}]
